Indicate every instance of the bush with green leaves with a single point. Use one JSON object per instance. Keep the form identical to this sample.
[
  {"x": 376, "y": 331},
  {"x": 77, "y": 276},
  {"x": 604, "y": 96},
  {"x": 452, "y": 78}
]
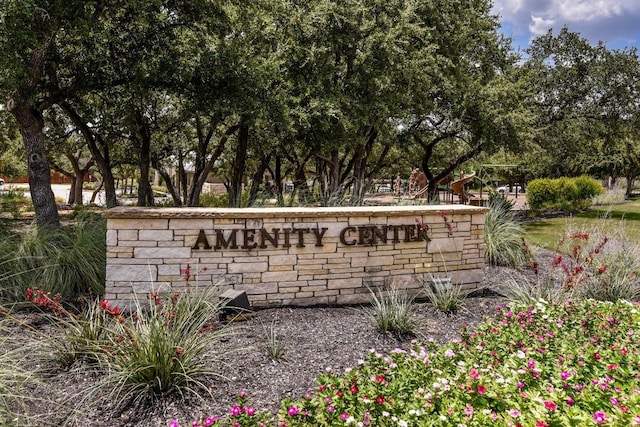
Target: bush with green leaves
[
  {"x": 566, "y": 194},
  {"x": 542, "y": 365},
  {"x": 15, "y": 202},
  {"x": 69, "y": 260}
]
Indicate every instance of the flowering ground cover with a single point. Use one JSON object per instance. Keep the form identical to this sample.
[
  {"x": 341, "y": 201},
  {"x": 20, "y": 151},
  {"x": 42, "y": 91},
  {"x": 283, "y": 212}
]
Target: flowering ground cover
[{"x": 570, "y": 364}]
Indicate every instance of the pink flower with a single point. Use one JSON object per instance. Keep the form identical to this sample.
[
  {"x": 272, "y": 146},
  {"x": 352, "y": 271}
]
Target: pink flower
[
  {"x": 293, "y": 411},
  {"x": 481, "y": 389},
  {"x": 235, "y": 411},
  {"x": 344, "y": 416},
  {"x": 564, "y": 375},
  {"x": 541, "y": 424},
  {"x": 599, "y": 417},
  {"x": 474, "y": 374},
  {"x": 550, "y": 405},
  {"x": 330, "y": 408},
  {"x": 514, "y": 413}
]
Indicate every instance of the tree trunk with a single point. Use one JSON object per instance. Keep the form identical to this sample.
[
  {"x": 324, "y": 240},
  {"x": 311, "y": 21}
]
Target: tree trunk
[
  {"x": 238, "y": 166},
  {"x": 278, "y": 181},
  {"x": 200, "y": 177},
  {"x": 145, "y": 193},
  {"x": 258, "y": 179},
  {"x": 31, "y": 127},
  {"x": 101, "y": 158}
]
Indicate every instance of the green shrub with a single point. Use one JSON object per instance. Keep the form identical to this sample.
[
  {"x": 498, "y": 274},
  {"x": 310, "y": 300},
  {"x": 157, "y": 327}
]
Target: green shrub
[
  {"x": 15, "y": 202},
  {"x": 566, "y": 194},
  {"x": 588, "y": 188}
]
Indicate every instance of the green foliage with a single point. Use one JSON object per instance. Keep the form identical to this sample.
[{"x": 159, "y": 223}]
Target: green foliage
[
  {"x": 15, "y": 202},
  {"x": 503, "y": 236},
  {"x": 587, "y": 187},
  {"x": 540, "y": 364},
  {"x": 392, "y": 311},
  {"x": 444, "y": 296},
  {"x": 566, "y": 194},
  {"x": 67, "y": 260},
  {"x": 160, "y": 348}
]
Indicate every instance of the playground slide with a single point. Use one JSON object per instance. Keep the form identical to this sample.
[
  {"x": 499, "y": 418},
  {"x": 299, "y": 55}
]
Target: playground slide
[{"x": 458, "y": 186}]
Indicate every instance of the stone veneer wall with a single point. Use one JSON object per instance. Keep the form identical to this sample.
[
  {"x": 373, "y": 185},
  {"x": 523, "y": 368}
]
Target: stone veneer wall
[{"x": 153, "y": 248}]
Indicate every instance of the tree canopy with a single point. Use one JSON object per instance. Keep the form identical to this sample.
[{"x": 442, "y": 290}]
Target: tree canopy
[{"x": 323, "y": 92}]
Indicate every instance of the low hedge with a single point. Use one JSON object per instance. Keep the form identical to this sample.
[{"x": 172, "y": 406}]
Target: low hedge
[{"x": 566, "y": 194}]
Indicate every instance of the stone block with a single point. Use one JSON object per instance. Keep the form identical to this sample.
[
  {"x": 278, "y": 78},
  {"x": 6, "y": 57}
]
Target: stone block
[
  {"x": 280, "y": 276},
  {"x": 247, "y": 267},
  {"x": 131, "y": 273},
  {"x": 155, "y": 235},
  {"x": 288, "y": 260},
  {"x": 345, "y": 283},
  {"x": 195, "y": 224},
  {"x": 150, "y": 253}
]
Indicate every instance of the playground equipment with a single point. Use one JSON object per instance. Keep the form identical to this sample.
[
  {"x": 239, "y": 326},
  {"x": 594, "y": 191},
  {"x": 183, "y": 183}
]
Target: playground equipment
[{"x": 457, "y": 187}]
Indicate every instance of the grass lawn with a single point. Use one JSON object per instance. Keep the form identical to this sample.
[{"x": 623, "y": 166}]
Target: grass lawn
[{"x": 546, "y": 232}]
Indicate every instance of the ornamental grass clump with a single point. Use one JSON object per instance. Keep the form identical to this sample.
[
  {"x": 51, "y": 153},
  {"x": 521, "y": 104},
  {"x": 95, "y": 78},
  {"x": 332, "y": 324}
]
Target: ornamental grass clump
[
  {"x": 160, "y": 348},
  {"x": 503, "y": 235},
  {"x": 392, "y": 311},
  {"x": 15, "y": 379},
  {"x": 65, "y": 260},
  {"x": 443, "y": 295}
]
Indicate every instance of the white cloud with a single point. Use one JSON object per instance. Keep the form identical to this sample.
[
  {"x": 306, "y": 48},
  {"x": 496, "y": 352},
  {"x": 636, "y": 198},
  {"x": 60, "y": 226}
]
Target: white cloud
[
  {"x": 606, "y": 20},
  {"x": 540, "y": 25}
]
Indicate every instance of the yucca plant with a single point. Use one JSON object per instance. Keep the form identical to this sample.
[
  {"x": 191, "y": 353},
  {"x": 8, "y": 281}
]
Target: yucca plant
[
  {"x": 503, "y": 236},
  {"x": 392, "y": 311}
]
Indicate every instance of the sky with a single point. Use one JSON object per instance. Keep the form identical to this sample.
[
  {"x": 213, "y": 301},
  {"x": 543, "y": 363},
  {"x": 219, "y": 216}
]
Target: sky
[{"x": 615, "y": 22}]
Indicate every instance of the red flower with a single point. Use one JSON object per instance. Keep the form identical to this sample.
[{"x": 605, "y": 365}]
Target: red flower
[
  {"x": 481, "y": 389},
  {"x": 380, "y": 400}
]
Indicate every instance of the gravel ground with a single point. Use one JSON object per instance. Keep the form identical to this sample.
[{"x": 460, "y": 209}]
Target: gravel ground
[{"x": 313, "y": 339}]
